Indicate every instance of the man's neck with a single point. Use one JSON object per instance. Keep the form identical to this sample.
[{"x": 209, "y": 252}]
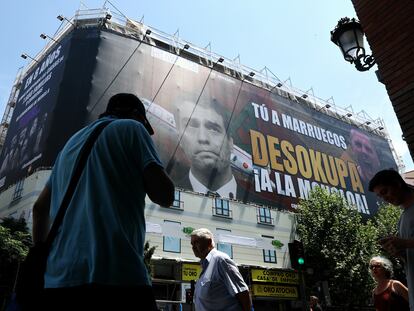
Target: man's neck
[{"x": 208, "y": 252}]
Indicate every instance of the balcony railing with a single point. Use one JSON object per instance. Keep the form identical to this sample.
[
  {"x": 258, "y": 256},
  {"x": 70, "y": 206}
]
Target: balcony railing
[
  {"x": 178, "y": 205},
  {"x": 222, "y": 212},
  {"x": 265, "y": 220}
]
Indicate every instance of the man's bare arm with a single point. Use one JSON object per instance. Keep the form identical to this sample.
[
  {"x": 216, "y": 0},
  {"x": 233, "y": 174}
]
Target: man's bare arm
[
  {"x": 395, "y": 245},
  {"x": 158, "y": 185},
  {"x": 41, "y": 216},
  {"x": 244, "y": 300}
]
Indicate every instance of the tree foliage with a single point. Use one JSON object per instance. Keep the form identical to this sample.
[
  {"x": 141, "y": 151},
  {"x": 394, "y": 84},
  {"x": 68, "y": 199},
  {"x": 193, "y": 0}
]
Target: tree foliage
[
  {"x": 338, "y": 246},
  {"x": 385, "y": 221},
  {"x": 15, "y": 241},
  {"x": 148, "y": 252}
]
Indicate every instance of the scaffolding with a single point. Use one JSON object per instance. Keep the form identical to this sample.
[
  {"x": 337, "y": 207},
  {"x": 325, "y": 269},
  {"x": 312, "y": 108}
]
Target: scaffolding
[
  {"x": 113, "y": 19},
  {"x": 11, "y": 103}
]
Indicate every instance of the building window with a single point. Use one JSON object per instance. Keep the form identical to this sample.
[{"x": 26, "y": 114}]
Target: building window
[
  {"x": 264, "y": 216},
  {"x": 222, "y": 208},
  {"x": 172, "y": 243},
  {"x": 269, "y": 255},
  {"x": 178, "y": 204},
  {"x": 18, "y": 190},
  {"x": 224, "y": 247}
]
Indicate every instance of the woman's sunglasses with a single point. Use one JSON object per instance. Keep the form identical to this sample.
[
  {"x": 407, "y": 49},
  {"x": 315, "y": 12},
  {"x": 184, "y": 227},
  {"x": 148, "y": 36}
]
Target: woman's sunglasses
[{"x": 375, "y": 266}]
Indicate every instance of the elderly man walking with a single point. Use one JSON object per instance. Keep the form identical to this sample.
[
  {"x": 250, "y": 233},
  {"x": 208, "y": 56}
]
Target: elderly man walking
[{"x": 221, "y": 286}]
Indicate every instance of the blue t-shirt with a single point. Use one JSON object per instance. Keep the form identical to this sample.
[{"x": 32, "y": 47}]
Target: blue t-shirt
[{"x": 103, "y": 232}]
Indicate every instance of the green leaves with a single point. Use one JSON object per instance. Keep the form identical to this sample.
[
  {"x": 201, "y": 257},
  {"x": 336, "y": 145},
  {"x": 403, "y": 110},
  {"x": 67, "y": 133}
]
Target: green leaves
[
  {"x": 14, "y": 245},
  {"x": 277, "y": 244},
  {"x": 14, "y": 240},
  {"x": 11, "y": 246},
  {"x": 386, "y": 220},
  {"x": 148, "y": 252},
  {"x": 386, "y": 224},
  {"x": 339, "y": 244}
]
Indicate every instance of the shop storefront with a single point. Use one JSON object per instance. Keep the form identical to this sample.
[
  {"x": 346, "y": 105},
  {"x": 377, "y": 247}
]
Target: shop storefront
[{"x": 271, "y": 289}]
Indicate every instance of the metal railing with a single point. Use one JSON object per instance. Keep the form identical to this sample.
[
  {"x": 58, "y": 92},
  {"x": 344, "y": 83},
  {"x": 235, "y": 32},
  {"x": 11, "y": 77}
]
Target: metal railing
[
  {"x": 178, "y": 205},
  {"x": 264, "y": 78},
  {"x": 221, "y": 211},
  {"x": 265, "y": 220}
]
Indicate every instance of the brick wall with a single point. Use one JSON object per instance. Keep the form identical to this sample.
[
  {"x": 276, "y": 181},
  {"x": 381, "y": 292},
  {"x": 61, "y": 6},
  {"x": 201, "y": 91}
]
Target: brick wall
[{"x": 389, "y": 28}]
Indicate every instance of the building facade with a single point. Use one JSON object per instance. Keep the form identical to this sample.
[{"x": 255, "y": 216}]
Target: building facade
[
  {"x": 254, "y": 236},
  {"x": 243, "y": 148}
]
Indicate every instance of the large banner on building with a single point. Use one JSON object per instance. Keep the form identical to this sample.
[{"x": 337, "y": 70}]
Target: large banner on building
[
  {"x": 225, "y": 136},
  {"x": 50, "y": 106},
  {"x": 217, "y": 133},
  {"x": 29, "y": 125}
]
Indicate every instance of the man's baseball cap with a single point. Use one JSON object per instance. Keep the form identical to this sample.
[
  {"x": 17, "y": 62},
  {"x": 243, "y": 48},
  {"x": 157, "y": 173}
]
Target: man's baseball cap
[{"x": 125, "y": 104}]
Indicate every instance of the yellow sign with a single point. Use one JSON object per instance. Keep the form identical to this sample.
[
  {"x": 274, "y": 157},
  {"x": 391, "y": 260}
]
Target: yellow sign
[
  {"x": 190, "y": 271},
  {"x": 275, "y": 276},
  {"x": 275, "y": 291}
]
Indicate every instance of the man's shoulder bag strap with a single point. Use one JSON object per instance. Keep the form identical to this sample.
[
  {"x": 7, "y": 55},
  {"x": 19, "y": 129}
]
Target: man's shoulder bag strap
[{"x": 77, "y": 172}]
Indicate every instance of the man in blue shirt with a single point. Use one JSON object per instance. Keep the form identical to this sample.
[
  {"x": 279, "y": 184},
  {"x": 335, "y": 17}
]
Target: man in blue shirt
[
  {"x": 220, "y": 286},
  {"x": 96, "y": 260}
]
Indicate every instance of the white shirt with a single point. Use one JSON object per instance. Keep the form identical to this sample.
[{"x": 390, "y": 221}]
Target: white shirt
[
  {"x": 218, "y": 284},
  {"x": 229, "y": 190}
]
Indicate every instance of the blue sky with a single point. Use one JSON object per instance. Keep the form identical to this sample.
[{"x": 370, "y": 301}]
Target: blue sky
[{"x": 291, "y": 38}]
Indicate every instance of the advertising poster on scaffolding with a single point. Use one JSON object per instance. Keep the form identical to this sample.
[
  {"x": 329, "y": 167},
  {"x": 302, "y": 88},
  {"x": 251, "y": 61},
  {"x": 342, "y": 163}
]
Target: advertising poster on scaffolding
[
  {"x": 30, "y": 123},
  {"x": 220, "y": 134},
  {"x": 216, "y": 131}
]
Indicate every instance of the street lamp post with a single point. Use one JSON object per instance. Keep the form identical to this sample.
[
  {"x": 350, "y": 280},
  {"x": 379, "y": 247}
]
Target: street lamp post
[
  {"x": 349, "y": 37},
  {"x": 45, "y": 36},
  {"x": 25, "y": 56}
]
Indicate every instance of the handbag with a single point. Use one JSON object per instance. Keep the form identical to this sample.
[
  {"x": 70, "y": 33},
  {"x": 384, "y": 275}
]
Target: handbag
[
  {"x": 30, "y": 277},
  {"x": 29, "y": 284}
]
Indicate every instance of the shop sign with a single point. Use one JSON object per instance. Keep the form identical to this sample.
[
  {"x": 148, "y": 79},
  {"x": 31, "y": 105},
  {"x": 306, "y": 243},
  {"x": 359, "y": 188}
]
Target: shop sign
[
  {"x": 275, "y": 291},
  {"x": 274, "y": 276},
  {"x": 190, "y": 272}
]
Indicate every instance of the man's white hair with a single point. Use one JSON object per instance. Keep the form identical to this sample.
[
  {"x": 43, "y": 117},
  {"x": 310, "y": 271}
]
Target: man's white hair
[{"x": 204, "y": 233}]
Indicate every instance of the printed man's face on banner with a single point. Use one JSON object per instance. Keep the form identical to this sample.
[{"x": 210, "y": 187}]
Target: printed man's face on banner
[
  {"x": 204, "y": 141},
  {"x": 366, "y": 156}
]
